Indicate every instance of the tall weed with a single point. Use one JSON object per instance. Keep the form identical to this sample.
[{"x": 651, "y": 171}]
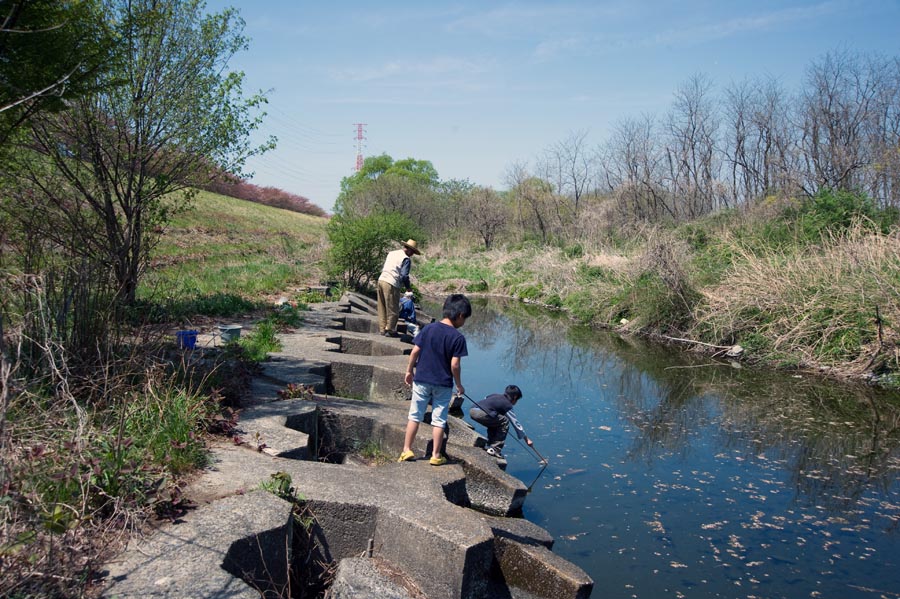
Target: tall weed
[
  {"x": 81, "y": 465},
  {"x": 661, "y": 298},
  {"x": 260, "y": 341},
  {"x": 818, "y": 305}
]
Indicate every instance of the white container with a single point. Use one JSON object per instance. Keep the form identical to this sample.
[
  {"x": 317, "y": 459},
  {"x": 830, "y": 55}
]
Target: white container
[{"x": 229, "y": 332}]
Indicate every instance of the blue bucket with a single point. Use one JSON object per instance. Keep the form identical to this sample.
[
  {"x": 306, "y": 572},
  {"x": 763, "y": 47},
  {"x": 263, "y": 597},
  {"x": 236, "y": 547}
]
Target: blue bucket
[{"x": 186, "y": 339}]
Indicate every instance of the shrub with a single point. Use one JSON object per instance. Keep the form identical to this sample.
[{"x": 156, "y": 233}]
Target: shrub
[
  {"x": 659, "y": 306},
  {"x": 833, "y": 211},
  {"x": 530, "y": 292},
  {"x": 710, "y": 264},
  {"x": 440, "y": 270},
  {"x": 696, "y": 236},
  {"x": 554, "y": 301},
  {"x": 663, "y": 295},
  {"x": 220, "y": 304},
  {"x": 310, "y": 297},
  {"x": 76, "y": 476},
  {"x": 359, "y": 244},
  {"x": 588, "y": 273},
  {"x": 287, "y": 315},
  {"x": 167, "y": 423},
  {"x": 297, "y": 391}
]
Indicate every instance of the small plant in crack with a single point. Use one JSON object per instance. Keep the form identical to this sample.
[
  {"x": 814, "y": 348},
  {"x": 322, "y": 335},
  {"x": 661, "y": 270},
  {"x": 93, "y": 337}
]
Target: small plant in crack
[
  {"x": 311, "y": 573},
  {"x": 373, "y": 452},
  {"x": 281, "y": 485},
  {"x": 257, "y": 438},
  {"x": 297, "y": 391}
]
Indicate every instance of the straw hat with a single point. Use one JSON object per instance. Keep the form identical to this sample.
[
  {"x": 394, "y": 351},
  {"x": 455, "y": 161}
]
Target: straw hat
[{"x": 411, "y": 244}]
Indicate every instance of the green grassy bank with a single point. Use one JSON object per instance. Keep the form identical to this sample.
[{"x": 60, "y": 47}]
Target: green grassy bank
[
  {"x": 97, "y": 443},
  {"x": 226, "y": 255},
  {"x": 796, "y": 288}
]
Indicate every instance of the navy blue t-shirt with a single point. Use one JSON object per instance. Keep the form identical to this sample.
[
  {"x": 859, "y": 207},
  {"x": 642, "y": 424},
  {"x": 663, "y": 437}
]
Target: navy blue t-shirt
[
  {"x": 439, "y": 344},
  {"x": 495, "y": 403}
]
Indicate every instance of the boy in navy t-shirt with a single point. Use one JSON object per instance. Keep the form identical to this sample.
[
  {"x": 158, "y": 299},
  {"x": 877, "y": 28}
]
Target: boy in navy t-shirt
[
  {"x": 435, "y": 358},
  {"x": 495, "y": 413}
]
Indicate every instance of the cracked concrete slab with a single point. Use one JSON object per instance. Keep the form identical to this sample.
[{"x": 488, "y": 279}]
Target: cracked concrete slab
[{"x": 238, "y": 547}]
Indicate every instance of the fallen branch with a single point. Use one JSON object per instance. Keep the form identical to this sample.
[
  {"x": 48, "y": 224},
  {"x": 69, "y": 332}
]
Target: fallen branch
[{"x": 732, "y": 351}]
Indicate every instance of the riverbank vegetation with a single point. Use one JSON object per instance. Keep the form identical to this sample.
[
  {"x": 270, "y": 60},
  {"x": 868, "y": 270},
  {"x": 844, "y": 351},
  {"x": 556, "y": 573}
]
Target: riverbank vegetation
[
  {"x": 103, "y": 147},
  {"x": 825, "y": 302},
  {"x": 757, "y": 217},
  {"x": 753, "y": 219}
]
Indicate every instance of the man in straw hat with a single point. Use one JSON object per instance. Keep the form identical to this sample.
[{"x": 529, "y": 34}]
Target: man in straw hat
[{"x": 394, "y": 275}]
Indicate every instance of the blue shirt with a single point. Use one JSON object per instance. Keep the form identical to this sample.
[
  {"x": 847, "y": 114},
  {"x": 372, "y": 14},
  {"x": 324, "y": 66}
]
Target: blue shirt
[
  {"x": 498, "y": 404},
  {"x": 407, "y": 309},
  {"x": 404, "y": 272},
  {"x": 439, "y": 343}
]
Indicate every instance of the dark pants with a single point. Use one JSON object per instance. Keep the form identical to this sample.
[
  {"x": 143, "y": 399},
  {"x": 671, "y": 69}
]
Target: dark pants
[{"x": 497, "y": 426}]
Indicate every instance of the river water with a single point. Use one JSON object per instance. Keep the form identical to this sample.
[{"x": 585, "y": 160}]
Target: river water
[{"x": 682, "y": 476}]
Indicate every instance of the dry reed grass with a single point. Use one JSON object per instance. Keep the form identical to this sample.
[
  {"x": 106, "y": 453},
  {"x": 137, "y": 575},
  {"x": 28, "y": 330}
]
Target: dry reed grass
[{"x": 835, "y": 304}]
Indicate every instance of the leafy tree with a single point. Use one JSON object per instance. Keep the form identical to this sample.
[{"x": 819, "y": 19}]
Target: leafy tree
[
  {"x": 534, "y": 201},
  {"x": 421, "y": 171},
  {"x": 166, "y": 118},
  {"x": 359, "y": 244},
  {"x": 50, "y": 52},
  {"x": 393, "y": 193},
  {"x": 354, "y": 188}
]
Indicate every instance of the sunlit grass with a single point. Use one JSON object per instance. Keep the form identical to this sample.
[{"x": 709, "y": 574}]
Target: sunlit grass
[{"x": 229, "y": 246}]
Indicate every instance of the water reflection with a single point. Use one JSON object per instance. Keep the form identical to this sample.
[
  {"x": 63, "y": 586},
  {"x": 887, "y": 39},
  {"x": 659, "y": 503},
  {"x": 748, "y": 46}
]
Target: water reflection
[{"x": 678, "y": 475}]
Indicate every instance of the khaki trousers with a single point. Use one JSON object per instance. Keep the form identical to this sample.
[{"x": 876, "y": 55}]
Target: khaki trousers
[{"x": 388, "y": 306}]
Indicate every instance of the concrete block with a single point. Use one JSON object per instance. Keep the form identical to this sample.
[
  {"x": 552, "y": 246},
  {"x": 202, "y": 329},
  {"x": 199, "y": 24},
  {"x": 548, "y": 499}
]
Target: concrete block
[
  {"x": 388, "y": 386},
  {"x": 539, "y": 571},
  {"x": 350, "y": 378},
  {"x": 362, "y": 578},
  {"x": 443, "y": 563},
  {"x": 283, "y": 369},
  {"x": 234, "y": 547}
]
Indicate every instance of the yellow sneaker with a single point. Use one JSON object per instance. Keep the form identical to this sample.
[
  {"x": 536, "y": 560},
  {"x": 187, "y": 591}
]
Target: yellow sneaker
[
  {"x": 438, "y": 461},
  {"x": 407, "y": 456}
]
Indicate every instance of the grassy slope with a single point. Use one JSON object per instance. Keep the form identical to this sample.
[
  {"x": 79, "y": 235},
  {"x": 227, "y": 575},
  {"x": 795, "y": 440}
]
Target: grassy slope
[{"x": 225, "y": 245}]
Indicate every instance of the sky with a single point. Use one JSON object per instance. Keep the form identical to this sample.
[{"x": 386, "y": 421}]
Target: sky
[{"x": 476, "y": 86}]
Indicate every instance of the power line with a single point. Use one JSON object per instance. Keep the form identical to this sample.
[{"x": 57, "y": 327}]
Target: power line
[
  {"x": 287, "y": 128},
  {"x": 310, "y": 130}
]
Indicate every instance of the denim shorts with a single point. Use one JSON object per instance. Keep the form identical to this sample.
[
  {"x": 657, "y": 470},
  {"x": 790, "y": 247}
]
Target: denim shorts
[{"x": 438, "y": 397}]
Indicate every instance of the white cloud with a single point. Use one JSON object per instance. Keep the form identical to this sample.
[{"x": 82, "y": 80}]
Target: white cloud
[
  {"x": 406, "y": 69},
  {"x": 705, "y": 32},
  {"x": 549, "y": 49},
  {"x": 518, "y": 20}
]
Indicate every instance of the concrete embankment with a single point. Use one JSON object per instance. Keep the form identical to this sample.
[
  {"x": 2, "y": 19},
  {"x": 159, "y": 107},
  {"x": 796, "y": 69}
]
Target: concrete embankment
[{"x": 395, "y": 530}]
